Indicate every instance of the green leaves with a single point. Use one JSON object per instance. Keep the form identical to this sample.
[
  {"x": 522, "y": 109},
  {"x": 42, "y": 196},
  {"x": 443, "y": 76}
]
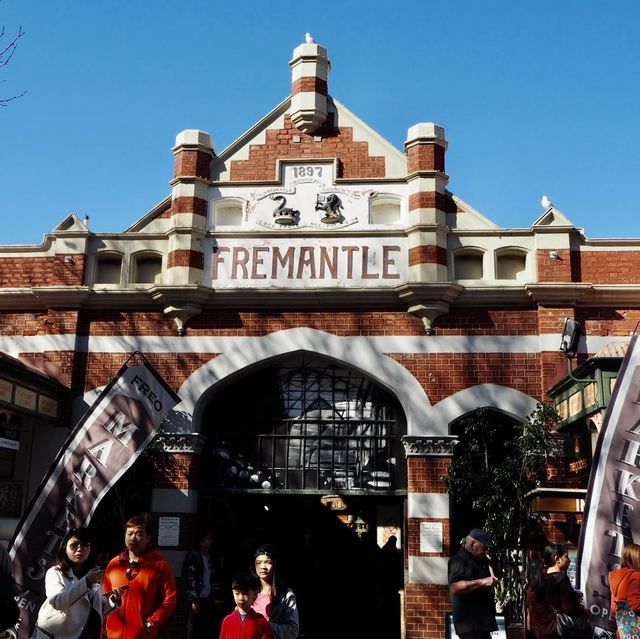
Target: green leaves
[{"x": 496, "y": 462}]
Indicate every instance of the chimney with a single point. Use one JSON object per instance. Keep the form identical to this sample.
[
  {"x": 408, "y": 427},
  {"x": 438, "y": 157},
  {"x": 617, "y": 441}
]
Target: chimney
[{"x": 309, "y": 71}]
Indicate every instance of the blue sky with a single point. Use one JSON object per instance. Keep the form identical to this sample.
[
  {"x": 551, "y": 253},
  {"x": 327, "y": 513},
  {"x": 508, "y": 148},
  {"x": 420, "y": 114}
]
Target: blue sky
[{"x": 535, "y": 97}]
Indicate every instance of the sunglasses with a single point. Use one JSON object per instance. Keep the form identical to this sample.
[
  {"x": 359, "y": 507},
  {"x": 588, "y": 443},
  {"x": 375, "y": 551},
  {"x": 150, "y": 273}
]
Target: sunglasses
[
  {"x": 74, "y": 545},
  {"x": 134, "y": 567}
]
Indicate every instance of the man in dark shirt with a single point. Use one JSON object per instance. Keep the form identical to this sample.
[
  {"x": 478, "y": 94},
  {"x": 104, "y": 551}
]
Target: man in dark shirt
[{"x": 471, "y": 585}]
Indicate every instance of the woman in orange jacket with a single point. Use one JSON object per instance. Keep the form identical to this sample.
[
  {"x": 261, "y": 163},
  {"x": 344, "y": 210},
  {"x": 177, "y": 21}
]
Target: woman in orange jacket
[{"x": 625, "y": 591}]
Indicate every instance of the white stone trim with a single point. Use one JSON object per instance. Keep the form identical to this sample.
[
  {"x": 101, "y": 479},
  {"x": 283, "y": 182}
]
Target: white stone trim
[
  {"x": 252, "y": 351},
  {"x": 508, "y": 400},
  {"x": 428, "y": 570},
  {"x": 530, "y": 344},
  {"x": 429, "y": 505}
]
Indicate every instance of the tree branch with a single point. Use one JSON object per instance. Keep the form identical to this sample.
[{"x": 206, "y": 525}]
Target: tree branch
[{"x": 5, "y": 57}]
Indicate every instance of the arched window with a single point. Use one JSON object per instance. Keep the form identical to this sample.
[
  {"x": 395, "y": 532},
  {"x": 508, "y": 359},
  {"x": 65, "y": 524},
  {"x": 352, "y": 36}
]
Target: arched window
[
  {"x": 467, "y": 265},
  {"x": 147, "y": 269},
  {"x": 511, "y": 264},
  {"x": 385, "y": 210},
  {"x": 310, "y": 425},
  {"x": 108, "y": 269},
  {"x": 228, "y": 212}
]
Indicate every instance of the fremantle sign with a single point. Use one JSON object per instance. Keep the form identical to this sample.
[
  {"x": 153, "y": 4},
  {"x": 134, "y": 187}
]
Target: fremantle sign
[{"x": 303, "y": 263}]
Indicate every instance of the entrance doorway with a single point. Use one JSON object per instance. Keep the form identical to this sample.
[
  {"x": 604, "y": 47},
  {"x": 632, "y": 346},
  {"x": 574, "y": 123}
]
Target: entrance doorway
[
  {"x": 346, "y": 585},
  {"x": 306, "y": 455}
]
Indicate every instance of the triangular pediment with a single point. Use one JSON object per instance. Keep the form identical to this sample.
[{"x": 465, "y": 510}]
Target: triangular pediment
[
  {"x": 71, "y": 224},
  {"x": 465, "y": 217},
  {"x": 265, "y": 136},
  {"x": 155, "y": 220},
  {"x": 553, "y": 217}
]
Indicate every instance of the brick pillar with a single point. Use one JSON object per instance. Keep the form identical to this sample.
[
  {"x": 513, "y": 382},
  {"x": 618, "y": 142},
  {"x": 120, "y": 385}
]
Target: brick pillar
[
  {"x": 176, "y": 479},
  {"x": 426, "y": 590},
  {"x": 193, "y": 153},
  {"x": 425, "y": 148},
  {"x": 309, "y": 73},
  {"x": 554, "y": 259}
]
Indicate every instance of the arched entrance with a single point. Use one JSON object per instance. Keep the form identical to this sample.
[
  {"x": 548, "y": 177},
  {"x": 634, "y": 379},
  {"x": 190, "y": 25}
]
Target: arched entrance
[{"x": 306, "y": 454}]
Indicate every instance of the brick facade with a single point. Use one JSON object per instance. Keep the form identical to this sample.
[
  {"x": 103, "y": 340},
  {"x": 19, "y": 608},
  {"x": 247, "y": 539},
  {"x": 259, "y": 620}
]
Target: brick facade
[
  {"x": 354, "y": 158},
  {"x": 440, "y": 347}
]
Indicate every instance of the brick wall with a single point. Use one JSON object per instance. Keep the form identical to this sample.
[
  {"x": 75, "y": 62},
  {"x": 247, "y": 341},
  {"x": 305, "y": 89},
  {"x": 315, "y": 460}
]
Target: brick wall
[
  {"x": 595, "y": 267},
  {"x": 428, "y": 200},
  {"x": 21, "y": 272},
  {"x": 554, "y": 270},
  {"x": 194, "y": 205},
  {"x": 442, "y": 374},
  {"x": 39, "y": 322},
  {"x": 176, "y": 470},
  {"x": 183, "y": 257},
  {"x": 610, "y": 267},
  {"x": 355, "y": 161},
  {"x": 425, "y": 157},
  {"x": 428, "y": 255},
  {"x": 97, "y": 369},
  {"x": 424, "y": 474},
  {"x": 425, "y": 607},
  {"x": 479, "y": 321},
  {"x": 192, "y": 163}
]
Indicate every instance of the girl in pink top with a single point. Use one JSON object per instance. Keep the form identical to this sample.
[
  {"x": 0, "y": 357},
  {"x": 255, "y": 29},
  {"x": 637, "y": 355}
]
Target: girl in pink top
[{"x": 274, "y": 601}]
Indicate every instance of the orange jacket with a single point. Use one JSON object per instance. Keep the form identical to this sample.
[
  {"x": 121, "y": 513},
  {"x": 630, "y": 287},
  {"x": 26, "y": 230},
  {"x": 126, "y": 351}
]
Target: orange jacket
[
  {"x": 151, "y": 595},
  {"x": 625, "y": 584}
]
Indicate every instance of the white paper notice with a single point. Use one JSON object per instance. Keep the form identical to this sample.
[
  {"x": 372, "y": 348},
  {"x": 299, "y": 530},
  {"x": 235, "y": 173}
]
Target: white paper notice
[
  {"x": 430, "y": 536},
  {"x": 168, "y": 531}
]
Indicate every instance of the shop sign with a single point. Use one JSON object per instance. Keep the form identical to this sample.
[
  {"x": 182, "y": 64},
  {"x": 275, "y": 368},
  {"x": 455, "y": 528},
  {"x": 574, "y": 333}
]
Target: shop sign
[
  {"x": 25, "y": 398},
  {"x": 577, "y": 452},
  {"x": 47, "y": 406},
  {"x": 303, "y": 263},
  {"x": 590, "y": 394},
  {"x": 28, "y": 399},
  {"x": 575, "y": 404},
  {"x": 9, "y": 433},
  {"x": 6, "y": 390},
  {"x": 9, "y": 438}
]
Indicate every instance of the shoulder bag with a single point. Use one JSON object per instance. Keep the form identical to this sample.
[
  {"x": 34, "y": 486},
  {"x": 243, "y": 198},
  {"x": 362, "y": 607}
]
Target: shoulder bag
[
  {"x": 627, "y": 621},
  {"x": 572, "y": 626}
]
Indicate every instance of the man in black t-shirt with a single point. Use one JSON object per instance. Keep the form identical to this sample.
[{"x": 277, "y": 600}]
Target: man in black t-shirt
[{"x": 471, "y": 585}]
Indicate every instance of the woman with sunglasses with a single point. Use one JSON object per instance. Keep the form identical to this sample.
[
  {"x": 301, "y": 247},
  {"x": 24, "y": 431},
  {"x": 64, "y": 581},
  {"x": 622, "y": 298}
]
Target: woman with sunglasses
[{"x": 75, "y": 604}]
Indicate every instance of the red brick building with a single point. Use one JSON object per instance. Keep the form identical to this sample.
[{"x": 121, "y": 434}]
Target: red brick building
[{"x": 326, "y": 309}]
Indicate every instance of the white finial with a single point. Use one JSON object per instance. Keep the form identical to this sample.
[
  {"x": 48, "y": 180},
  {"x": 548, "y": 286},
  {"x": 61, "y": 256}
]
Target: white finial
[
  {"x": 546, "y": 202},
  {"x": 308, "y": 38}
]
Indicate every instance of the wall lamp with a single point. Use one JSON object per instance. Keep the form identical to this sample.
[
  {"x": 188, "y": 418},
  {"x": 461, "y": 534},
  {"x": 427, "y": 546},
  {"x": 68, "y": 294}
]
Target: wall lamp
[
  {"x": 569, "y": 345},
  {"x": 570, "y": 337}
]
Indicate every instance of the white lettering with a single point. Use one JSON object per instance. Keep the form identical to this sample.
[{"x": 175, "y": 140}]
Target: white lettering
[
  {"x": 122, "y": 430},
  {"x": 86, "y": 473},
  {"x": 101, "y": 451}
]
